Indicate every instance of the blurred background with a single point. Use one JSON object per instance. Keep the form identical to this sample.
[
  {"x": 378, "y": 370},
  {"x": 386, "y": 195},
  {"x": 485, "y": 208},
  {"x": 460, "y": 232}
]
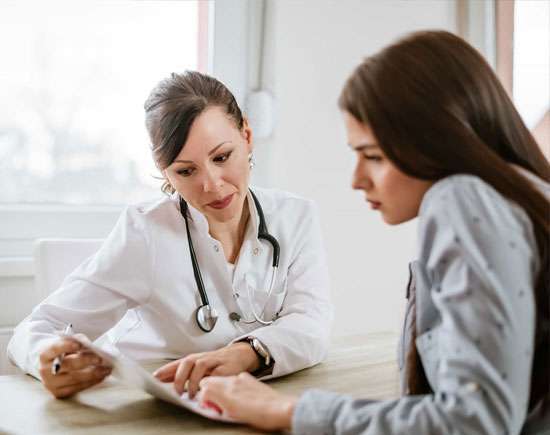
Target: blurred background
[{"x": 74, "y": 150}]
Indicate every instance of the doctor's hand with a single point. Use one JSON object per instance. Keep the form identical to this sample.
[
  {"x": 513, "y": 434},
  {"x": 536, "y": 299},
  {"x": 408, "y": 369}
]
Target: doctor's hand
[
  {"x": 79, "y": 370},
  {"x": 230, "y": 360},
  {"x": 249, "y": 401}
]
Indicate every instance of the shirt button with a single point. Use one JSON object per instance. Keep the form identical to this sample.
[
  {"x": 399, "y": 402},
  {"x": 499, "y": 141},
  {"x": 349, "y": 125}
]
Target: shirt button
[
  {"x": 216, "y": 248},
  {"x": 236, "y": 295},
  {"x": 256, "y": 251}
]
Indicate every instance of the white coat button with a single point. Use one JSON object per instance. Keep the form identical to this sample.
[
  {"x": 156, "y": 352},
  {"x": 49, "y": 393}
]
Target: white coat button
[
  {"x": 256, "y": 251},
  {"x": 236, "y": 295},
  {"x": 216, "y": 248}
]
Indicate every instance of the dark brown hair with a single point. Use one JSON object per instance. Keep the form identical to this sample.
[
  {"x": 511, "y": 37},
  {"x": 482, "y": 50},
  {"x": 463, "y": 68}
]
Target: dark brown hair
[
  {"x": 437, "y": 109},
  {"x": 174, "y": 104}
]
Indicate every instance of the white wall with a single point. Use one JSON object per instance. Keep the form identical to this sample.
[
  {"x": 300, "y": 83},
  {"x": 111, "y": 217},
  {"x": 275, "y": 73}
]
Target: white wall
[{"x": 313, "y": 46}]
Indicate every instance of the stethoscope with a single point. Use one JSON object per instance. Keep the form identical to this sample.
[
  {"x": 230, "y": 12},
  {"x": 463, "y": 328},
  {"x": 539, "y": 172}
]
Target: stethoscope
[{"x": 206, "y": 316}]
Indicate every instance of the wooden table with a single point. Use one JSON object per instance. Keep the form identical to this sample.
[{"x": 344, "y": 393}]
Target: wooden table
[{"x": 363, "y": 366}]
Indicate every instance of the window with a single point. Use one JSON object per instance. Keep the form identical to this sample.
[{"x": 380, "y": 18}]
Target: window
[
  {"x": 75, "y": 75},
  {"x": 531, "y": 85},
  {"x": 523, "y": 62}
]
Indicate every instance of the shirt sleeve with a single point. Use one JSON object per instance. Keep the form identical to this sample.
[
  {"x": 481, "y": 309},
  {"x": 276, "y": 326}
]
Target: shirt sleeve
[
  {"x": 480, "y": 255},
  {"x": 94, "y": 297},
  {"x": 299, "y": 338}
]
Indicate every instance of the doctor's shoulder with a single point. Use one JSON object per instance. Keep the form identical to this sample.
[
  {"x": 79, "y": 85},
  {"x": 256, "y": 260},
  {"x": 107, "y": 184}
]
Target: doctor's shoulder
[
  {"x": 146, "y": 220},
  {"x": 292, "y": 219},
  {"x": 158, "y": 212},
  {"x": 280, "y": 204}
]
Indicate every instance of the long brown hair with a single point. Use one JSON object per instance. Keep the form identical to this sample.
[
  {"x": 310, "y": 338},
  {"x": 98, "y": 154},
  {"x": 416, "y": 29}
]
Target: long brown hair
[
  {"x": 437, "y": 109},
  {"x": 174, "y": 104}
]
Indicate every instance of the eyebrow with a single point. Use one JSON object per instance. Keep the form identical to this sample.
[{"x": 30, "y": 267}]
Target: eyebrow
[
  {"x": 212, "y": 151},
  {"x": 364, "y": 146}
]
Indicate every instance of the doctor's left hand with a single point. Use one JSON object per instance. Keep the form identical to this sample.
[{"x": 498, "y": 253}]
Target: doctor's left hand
[{"x": 230, "y": 360}]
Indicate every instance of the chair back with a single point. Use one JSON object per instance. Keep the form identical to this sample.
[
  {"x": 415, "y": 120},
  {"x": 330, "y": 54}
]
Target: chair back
[{"x": 54, "y": 259}]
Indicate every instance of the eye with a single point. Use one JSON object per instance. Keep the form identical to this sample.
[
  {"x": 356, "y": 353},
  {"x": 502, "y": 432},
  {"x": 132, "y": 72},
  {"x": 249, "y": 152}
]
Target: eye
[
  {"x": 186, "y": 172},
  {"x": 372, "y": 157},
  {"x": 222, "y": 157}
]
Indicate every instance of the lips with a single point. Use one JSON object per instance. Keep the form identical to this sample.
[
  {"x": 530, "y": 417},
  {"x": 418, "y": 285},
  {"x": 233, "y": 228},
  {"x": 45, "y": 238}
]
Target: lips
[
  {"x": 375, "y": 205},
  {"x": 222, "y": 203}
]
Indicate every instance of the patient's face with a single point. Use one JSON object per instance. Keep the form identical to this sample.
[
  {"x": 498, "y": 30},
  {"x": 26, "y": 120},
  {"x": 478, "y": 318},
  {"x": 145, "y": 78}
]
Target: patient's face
[
  {"x": 212, "y": 170},
  {"x": 388, "y": 190}
]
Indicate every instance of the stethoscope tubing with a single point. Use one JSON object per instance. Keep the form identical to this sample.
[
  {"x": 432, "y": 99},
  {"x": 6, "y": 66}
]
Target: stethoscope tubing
[
  {"x": 194, "y": 262},
  {"x": 259, "y": 318},
  {"x": 263, "y": 234}
]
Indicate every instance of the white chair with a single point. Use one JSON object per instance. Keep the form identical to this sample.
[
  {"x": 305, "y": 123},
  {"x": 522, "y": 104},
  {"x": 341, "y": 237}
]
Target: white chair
[{"x": 54, "y": 259}]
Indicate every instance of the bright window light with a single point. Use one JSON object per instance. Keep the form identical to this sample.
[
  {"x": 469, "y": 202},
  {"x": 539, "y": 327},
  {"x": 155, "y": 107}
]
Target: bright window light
[
  {"x": 73, "y": 81},
  {"x": 532, "y": 59}
]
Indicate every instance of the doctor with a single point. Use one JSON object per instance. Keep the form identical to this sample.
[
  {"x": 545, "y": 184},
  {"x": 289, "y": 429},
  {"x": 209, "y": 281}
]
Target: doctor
[{"x": 221, "y": 277}]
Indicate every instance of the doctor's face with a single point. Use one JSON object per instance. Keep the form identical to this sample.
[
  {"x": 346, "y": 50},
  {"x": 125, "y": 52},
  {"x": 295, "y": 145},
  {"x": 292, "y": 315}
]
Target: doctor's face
[
  {"x": 212, "y": 170},
  {"x": 396, "y": 195}
]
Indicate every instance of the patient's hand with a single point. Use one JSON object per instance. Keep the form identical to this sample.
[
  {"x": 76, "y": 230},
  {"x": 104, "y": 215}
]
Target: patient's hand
[
  {"x": 230, "y": 360},
  {"x": 249, "y": 401},
  {"x": 79, "y": 370}
]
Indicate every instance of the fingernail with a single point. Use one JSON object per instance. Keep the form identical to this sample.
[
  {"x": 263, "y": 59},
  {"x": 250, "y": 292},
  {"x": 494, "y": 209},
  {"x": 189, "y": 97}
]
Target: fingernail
[{"x": 211, "y": 405}]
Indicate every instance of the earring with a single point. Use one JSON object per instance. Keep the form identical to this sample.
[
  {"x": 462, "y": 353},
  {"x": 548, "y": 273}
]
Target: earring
[{"x": 251, "y": 161}]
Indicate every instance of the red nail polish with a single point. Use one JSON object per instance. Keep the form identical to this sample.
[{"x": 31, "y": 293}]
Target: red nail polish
[{"x": 210, "y": 405}]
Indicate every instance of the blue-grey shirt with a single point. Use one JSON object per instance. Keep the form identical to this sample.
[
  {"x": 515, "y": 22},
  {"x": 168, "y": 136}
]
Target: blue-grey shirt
[{"x": 475, "y": 312}]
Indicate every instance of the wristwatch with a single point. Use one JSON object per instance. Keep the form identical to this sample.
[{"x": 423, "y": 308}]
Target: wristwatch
[{"x": 266, "y": 361}]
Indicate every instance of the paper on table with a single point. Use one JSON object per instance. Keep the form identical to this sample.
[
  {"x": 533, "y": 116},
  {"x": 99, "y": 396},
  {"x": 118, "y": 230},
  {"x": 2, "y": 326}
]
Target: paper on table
[{"x": 131, "y": 373}]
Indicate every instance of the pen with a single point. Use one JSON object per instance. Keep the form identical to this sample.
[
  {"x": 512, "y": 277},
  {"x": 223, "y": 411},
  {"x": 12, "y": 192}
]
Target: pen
[{"x": 59, "y": 359}]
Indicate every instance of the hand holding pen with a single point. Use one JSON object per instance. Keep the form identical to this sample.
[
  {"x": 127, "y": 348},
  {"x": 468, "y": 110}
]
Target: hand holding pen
[
  {"x": 67, "y": 366},
  {"x": 58, "y": 360}
]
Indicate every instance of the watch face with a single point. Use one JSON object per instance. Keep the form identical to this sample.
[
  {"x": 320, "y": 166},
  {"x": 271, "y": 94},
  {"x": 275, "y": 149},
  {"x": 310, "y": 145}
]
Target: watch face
[{"x": 260, "y": 350}]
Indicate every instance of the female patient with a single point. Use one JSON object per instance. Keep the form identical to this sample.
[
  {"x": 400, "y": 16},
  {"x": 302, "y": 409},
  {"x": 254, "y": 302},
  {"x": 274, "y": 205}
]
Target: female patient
[
  {"x": 436, "y": 137},
  {"x": 192, "y": 274}
]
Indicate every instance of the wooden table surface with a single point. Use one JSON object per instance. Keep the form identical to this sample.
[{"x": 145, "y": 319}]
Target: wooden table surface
[{"x": 363, "y": 366}]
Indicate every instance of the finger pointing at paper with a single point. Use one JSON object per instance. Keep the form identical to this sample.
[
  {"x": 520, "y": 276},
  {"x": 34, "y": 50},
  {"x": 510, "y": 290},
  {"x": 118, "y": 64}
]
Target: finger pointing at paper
[{"x": 229, "y": 360}]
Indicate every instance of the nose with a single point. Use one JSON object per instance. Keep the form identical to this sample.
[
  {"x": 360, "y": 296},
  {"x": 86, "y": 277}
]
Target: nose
[
  {"x": 212, "y": 180},
  {"x": 360, "y": 179}
]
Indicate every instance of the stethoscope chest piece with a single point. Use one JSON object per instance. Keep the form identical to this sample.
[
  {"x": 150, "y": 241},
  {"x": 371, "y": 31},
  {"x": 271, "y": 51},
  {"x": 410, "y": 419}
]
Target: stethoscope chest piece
[{"x": 206, "y": 317}]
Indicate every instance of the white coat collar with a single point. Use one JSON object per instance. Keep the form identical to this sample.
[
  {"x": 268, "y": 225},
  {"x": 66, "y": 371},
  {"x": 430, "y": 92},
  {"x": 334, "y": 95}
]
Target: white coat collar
[{"x": 201, "y": 224}]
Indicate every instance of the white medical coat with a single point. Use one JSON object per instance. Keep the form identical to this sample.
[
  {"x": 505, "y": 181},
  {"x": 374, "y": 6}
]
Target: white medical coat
[{"x": 138, "y": 295}]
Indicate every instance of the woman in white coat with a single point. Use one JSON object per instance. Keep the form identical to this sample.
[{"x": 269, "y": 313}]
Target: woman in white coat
[{"x": 227, "y": 312}]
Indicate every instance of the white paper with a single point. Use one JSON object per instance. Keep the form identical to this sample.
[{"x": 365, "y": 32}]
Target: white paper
[{"x": 131, "y": 373}]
